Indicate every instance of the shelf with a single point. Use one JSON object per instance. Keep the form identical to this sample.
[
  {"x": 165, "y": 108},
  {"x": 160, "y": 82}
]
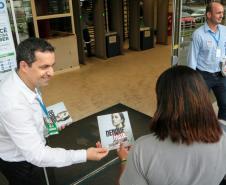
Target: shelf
[
  {"x": 48, "y": 27},
  {"x": 49, "y": 19},
  {"x": 54, "y": 16},
  {"x": 53, "y": 20},
  {"x": 59, "y": 35},
  {"x": 51, "y": 7}
]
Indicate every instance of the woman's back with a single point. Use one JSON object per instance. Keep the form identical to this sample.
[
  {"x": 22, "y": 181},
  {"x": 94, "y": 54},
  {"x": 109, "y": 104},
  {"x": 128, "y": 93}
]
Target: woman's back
[
  {"x": 187, "y": 145},
  {"x": 157, "y": 162}
]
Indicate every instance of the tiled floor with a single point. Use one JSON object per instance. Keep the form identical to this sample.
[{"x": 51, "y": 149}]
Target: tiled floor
[{"x": 129, "y": 79}]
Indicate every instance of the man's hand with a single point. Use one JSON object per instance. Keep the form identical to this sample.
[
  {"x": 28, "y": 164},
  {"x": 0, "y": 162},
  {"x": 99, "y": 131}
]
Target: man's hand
[
  {"x": 96, "y": 154},
  {"x": 61, "y": 127}
]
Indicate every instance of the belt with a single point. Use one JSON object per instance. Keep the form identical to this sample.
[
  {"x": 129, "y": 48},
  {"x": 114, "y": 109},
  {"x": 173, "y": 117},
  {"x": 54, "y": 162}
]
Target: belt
[{"x": 216, "y": 74}]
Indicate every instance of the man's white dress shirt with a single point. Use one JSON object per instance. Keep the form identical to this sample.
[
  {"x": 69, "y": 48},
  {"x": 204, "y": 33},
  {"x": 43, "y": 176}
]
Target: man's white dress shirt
[{"x": 22, "y": 128}]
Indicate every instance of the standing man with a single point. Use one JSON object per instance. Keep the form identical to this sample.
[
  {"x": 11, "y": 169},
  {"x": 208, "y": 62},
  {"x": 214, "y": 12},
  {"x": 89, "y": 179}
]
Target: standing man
[
  {"x": 23, "y": 148},
  {"x": 206, "y": 52}
]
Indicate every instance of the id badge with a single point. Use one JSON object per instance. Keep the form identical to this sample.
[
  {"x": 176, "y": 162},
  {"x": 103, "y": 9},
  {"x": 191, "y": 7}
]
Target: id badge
[
  {"x": 218, "y": 53},
  {"x": 51, "y": 126}
]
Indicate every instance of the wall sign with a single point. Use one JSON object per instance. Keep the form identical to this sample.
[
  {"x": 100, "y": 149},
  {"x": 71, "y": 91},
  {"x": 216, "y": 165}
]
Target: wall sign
[{"x": 7, "y": 48}]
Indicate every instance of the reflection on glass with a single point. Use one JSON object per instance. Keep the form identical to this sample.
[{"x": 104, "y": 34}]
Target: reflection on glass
[
  {"x": 192, "y": 17},
  {"x": 23, "y": 16}
]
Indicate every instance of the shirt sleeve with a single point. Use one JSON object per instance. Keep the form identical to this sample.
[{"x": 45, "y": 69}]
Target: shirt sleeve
[
  {"x": 193, "y": 51},
  {"x": 133, "y": 174},
  {"x": 20, "y": 125}
]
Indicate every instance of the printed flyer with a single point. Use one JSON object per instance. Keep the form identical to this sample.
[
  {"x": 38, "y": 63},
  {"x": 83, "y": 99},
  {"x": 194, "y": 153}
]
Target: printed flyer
[
  {"x": 114, "y": 129},
  {"x": 59, "y": 114}
]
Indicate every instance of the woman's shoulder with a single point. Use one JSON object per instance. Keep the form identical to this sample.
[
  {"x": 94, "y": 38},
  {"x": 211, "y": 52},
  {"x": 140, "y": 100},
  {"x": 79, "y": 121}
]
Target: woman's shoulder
[
  {"x": 149, "y": 144},
  {"x": 149, "y": 138}
]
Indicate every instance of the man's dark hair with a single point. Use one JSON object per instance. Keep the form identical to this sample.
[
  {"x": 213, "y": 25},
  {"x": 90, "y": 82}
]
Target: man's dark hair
[
  {"x": 184, "y": 110},
  {"x": 27, "y": 48}
]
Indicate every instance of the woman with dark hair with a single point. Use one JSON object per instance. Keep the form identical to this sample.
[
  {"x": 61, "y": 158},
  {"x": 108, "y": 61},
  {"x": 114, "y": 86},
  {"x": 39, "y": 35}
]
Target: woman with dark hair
[
  {"x": 186, "y": 145},
  {"x": 118, "y": 120}
]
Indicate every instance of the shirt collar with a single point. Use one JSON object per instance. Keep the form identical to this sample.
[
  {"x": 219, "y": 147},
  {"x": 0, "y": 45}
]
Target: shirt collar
[
  {"x": 29, "y": 94},
  {"x": 207, "y": 28}
]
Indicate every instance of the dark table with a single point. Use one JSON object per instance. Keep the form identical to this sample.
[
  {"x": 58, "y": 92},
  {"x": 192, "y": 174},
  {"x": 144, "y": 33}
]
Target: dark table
[{"x": 83, "y": 134}]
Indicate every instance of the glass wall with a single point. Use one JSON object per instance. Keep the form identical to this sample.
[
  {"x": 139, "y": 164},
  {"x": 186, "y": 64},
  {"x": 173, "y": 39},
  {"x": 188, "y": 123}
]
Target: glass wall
[
  {"x": 192, "y": 17},
  {"x": 23, "y": 16},
  {"x": 189, "y": 15}
]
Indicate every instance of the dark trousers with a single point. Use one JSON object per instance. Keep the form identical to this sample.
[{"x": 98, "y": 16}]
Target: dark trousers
[
  {"x": 22, "y": 173},
  {"x": 217, "y": 83}
]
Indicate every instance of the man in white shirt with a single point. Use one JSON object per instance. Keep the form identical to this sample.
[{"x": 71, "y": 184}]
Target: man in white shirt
[{"x": 23, "y": 147}]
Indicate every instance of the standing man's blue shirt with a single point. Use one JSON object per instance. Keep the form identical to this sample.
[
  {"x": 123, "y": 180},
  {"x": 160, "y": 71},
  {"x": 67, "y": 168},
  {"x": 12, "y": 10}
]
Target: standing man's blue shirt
[{"x": 203, "y": 48}]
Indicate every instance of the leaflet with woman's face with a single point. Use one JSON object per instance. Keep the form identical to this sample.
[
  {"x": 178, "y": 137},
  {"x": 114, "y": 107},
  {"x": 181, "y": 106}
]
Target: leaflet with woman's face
[{"x": 114, "y": 129}]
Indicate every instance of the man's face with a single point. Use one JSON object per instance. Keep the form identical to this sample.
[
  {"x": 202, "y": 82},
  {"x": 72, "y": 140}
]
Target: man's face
[
  {"x": 40, "y": 72},
  {"x": 217, "y": 13}
]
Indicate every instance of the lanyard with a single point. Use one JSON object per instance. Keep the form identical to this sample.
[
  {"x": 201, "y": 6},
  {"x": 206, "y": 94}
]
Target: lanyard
[
  {"x": 214, "y": 37},
  {"x": 50, "y": 125},
  {"x": 43, "y": 107}
]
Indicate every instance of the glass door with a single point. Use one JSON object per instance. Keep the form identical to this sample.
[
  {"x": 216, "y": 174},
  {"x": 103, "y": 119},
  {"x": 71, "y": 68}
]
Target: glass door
[
  {"x": 188, "y": 16},
  {"x": 20, "y": 17}
]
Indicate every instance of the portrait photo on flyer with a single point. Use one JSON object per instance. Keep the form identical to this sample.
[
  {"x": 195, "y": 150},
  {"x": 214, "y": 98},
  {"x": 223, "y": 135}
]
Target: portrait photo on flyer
[{"x": 115, "y": 128}]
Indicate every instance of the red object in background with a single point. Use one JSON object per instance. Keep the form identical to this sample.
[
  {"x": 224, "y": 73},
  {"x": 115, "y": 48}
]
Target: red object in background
[
  {"x": 187, "y": 21},
  {"x": 170, "y": 22}
]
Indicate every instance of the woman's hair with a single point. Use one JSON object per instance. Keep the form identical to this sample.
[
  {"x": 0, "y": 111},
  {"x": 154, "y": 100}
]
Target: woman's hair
[
  {"x": 184, "y": 111},
  {"x": 121, "y": 116}
]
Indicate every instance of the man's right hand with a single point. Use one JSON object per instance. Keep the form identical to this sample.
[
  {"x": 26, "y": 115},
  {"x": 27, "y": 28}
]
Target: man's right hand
[{"x": 96, "y": 154}]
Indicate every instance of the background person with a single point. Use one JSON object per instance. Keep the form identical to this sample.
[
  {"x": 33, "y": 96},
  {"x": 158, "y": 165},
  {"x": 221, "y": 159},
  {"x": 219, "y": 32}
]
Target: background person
[
  {"x": 186, "y": 144},
  {"x": 207, "y": 49},
  {"x": 23, "y": 147}
]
